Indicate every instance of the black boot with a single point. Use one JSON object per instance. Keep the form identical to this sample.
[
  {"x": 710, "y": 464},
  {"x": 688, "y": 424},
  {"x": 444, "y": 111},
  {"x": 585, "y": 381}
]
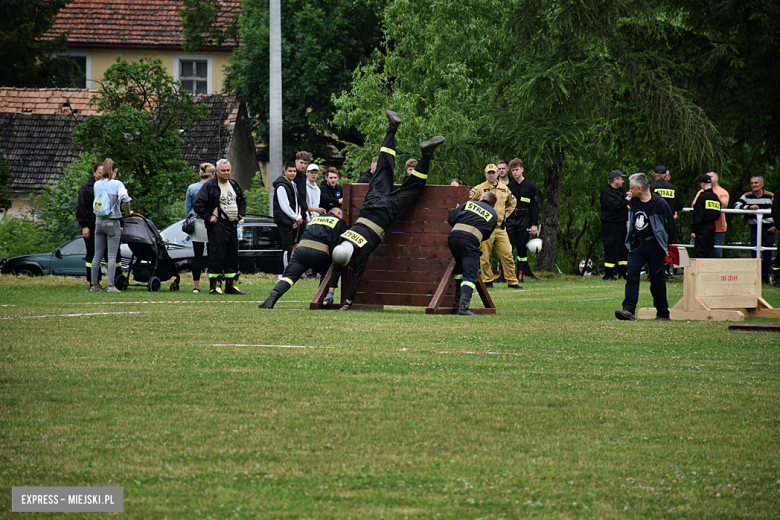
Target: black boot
[
  {"x": 457, "y": 294},
  {"x": 213, "y": 287},
  {"x": 230, "y": 288},
  {"x": 609, "y": 274},
  {"x": 270, "y": 301},
  {"x": 430, "y": 145},
  {"x": 463, "y": 305},
  {"x": 393, "y": 121}
]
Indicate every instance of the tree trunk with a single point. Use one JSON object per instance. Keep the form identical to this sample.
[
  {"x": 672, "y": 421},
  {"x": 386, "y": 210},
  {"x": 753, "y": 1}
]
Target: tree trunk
[{"x": 553, "y": 181}]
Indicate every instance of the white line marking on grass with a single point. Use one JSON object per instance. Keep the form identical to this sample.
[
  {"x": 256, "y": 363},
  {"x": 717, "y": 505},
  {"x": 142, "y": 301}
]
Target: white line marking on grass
[
  {"x": 475, "y": 352},
  {"x": 7, "y": 305},
  {"x": 270, "y": 346},
  {"x": 68, "y": 315},
  {"x": 174, "y": 301}
]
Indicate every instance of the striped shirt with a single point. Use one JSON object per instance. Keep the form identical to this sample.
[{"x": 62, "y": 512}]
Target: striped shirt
[{"x": 764, "y": 201}]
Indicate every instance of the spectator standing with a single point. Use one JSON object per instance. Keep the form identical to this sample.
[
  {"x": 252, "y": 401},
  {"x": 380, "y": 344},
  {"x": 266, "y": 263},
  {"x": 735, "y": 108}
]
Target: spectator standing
[
  {"x": 720, "y": 226},
  {"x": 287, "y": 210},
  {"x": 330, "y": 191},
  {"x": 313, "y": 193},
  {"x": 222, "y": 205},
  {"x": 302, "y": 160},
  {"x": 503, "y": 172},
  {"x": 649, "y": 224},
  {"x": 365, "y": 177},
  {"x": 199, "y": 236},
  {"x": 776, "y": 218},
  {"x": 614, "y": 215},
  {"x": 673, "y": 198},
  {"x": 706, "y": 211},
  {"x": 505, "y": 205},
  {"x": 108, "y": 229},
  {"x": 757, "y": 198},
  {"x": 524, "y": 220},
  {"x": 86, "y": 218}
]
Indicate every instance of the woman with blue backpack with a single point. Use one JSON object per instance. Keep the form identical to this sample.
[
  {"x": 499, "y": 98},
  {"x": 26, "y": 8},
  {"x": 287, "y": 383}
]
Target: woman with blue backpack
[{"x": 110, "y": 194}]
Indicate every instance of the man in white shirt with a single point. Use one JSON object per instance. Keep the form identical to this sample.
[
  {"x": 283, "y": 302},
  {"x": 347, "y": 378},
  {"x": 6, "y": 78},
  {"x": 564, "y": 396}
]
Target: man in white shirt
[
  {"x": 287, "y": 211},
  {"x": 313, "y": 192}
]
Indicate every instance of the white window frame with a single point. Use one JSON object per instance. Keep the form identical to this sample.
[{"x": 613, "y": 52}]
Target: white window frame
[
  {"x": 178, "y": 58},
  {"x": 80, "y": 54}
]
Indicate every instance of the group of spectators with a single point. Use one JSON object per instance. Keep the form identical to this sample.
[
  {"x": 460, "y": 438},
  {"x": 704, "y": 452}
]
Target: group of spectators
[{"x": 638, "y": 226}]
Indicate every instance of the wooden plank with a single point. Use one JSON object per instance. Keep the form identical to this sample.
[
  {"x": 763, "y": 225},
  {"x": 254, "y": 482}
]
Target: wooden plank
[
  {"x": 414, "y": 214},
  {"x": 757, "y": 327},
  {"x": 649, "y": 313},
  {"x": 411, "y": 254},
  {"x": 725, "y": 265},
  {"x": 319, "y": 295},
  {"x": 711, "y": 290},
  {"x": 732, "y": 278},
  {"x": 397, "y": 238},
  {"x": 423, "y": 264},
  {"x": 410, "y": 300},
  {"x": 446, "y": 279},
  {"x": 730, "y": 302},
  {"x": 399, "y": 287}
]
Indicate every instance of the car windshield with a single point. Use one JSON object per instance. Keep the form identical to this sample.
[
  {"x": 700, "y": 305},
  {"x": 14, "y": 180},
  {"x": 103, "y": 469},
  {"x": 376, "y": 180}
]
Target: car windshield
[{"x": 174, "y": 235}]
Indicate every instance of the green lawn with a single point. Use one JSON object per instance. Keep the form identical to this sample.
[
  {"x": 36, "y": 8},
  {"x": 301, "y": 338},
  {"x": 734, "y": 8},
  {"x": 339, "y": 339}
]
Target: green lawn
[{"x": 577, "y": 415}]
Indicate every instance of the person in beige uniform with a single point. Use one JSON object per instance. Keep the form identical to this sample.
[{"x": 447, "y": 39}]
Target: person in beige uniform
[{"x": 504, "y": 207}]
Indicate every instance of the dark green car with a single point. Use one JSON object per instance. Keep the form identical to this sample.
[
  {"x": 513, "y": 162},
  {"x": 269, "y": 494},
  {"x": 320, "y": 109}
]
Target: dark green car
[{"x": 66, "y": 260}]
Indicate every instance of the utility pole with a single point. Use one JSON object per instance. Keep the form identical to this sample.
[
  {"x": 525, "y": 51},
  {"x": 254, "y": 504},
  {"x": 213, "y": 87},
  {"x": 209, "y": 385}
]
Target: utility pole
[{"x": 275, "y": 111}]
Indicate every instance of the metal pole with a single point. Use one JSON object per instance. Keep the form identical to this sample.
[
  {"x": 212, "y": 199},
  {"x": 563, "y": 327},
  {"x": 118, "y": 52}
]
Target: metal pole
[{"x": 275, "y": 99}]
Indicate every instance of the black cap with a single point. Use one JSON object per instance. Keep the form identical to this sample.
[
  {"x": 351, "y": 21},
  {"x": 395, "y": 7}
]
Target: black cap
[
  {"x": 660, "y": 170},
  {"x": 615, "y": 174},
  {"x": 705, "y": 179}
]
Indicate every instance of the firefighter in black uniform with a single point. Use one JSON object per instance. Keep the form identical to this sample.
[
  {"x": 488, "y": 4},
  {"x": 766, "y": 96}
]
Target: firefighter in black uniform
[
  {"x": 671, "y": 195},
  {"x": 381, "y": 207},
  {"x": 313, "y": 252},
  {"x": 614, "y": 216},
  {"x": 705, "y": 212},
  {"x": 524, "y": 220},
  {"x": 86, "y": 218},
  {"x": 472, "y": 223}
]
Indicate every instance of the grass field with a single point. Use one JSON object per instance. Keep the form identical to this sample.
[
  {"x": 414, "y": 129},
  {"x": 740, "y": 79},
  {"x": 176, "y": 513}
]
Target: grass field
[{"x": 572, "y": 415}]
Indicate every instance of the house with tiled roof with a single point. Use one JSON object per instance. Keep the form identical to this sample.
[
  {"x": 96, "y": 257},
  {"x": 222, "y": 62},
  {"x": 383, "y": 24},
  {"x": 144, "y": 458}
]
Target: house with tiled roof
[
  {"x": 102, "y": 30},
  {"x": 36, "y": 127}
]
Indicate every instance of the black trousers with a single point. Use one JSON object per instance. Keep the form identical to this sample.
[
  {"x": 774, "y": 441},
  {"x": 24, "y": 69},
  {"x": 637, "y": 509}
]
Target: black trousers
[
  {"x": 289, "y": 237},
  {"x": 197, "y": 259},
  {"x": 223, "y": 248},
  {"x": 613, "y": 234},
  {"x": 517, "y": 230},
  {"x": 302, "y": 260},
  {"x": 90, "y": 243},
  {"x": 704, "y": 243},
  {"x": 466, "y": 252}
]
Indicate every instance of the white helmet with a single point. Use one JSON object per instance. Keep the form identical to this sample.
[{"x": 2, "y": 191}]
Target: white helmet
[
  {"x": 342, "y": 253},
  {"x": 534, "y": 245}
]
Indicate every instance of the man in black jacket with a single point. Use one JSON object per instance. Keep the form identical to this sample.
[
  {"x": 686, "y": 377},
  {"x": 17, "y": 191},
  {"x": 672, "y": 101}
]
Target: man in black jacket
[
  {"x": 472, "y": 223},
  {"x": 222, "y": 205},
  {"x": 381, "y": 207},
  {"x": 313, "y": 252},
  {"x": 302, "y": 160},
  {"x": 330, "y": 192},
  {"x": 365, "y": 177},
  {"x": 86, "y": 218},
  {"x": 614, "y": 214},
  {"x": 706, "y": 211},
  {"x": 524, "y": 220},
  {"x": 288, "y": 212},
  {"x": 671, "y": 195},
  {"x": 650, "y": 223}
]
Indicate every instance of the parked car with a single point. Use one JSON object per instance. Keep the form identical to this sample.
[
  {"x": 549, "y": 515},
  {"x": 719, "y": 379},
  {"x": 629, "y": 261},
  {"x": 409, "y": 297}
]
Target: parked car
[
  {"x": 66, "y": 260},
  {"x": 260, "y": 250}
]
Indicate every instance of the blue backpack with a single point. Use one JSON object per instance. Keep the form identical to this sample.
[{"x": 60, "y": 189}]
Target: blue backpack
[{"x": 102, "y": 203}]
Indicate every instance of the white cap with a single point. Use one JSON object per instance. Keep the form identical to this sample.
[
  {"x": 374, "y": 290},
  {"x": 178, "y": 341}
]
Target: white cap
[
  {"x": 312, "y": 166},
  {"x": 342, "y": 253}
]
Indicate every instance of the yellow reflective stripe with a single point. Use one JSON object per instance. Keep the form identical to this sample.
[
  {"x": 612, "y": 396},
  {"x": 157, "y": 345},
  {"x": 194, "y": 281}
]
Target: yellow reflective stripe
[
  {"x": 230, "y": 275},
  {"x": 420, "y": 175},
  {"x": 458, "y": 276},
  {"x": 607, "y": 264},
  {"x": 475, "y": 208},
  {"x": 525, "y": 199},
  {"x": 469, "y": 284},
  {"x": 285, "y": 279},
  {"x": 523, "y": 259},
  {"x": 89, "y": 264},
  {"x": 623, "y": 262},
  {"x": 373, "y": 226},
  {"x": 312, "y": 244},
  {"x": 387, "y": 150},
  {"x": 355, "y": 238},
  {"x": 712, "y": 204},
  {"x": 331, "y": 222},
  {"x": 665, "y": 193},
  {"x": 468, "y": 229},
  {"x": 213, "y": 275}
]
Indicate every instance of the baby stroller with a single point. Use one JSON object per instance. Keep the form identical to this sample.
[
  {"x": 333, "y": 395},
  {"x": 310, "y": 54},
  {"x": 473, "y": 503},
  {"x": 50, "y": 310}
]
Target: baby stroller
[{"x": 150, "y": 262}]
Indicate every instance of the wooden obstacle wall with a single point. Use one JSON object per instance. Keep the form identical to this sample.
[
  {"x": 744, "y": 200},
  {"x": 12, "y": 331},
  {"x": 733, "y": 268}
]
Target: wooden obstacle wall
[{"x": 413, "y": 265}]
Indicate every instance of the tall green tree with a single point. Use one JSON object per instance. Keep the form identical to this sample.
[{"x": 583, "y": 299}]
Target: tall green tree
[
  {"x": 200, "y": 20},
  {"x": 142, "y": 116},
  {"x": 539, "y": 79},
  {"x": 323, "y": 41},
  {"x": 25, "y": 59}
]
